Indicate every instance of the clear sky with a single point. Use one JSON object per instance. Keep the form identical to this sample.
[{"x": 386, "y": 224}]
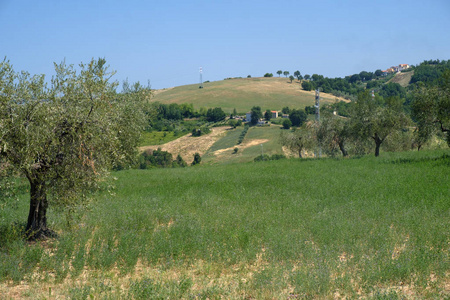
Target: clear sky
[{"x": 166, "y": 41}]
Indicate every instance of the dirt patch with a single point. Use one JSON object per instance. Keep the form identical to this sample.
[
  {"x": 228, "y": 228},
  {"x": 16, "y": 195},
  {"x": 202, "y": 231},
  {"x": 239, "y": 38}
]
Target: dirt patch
[
  {"x": 402, "y": 78},
  {"x": 188, "y": 145},
  {"x": 242, "y": 146}
]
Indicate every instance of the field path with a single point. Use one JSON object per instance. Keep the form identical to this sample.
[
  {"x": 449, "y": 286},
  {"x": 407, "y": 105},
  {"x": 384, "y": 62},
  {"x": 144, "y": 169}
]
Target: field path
[{"x": 188, "y": 145}]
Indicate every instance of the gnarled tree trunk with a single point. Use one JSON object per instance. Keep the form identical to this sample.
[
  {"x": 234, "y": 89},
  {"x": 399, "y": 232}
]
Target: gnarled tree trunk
[
  {"x": 378, "y": 142},
  {"x": 37, "y": 216},
  {"x": 341, "y": 146}
]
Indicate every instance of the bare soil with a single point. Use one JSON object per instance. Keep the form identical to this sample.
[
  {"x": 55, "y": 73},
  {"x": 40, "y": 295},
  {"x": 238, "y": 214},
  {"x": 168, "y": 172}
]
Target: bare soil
[{"x": 188, "y": 145}]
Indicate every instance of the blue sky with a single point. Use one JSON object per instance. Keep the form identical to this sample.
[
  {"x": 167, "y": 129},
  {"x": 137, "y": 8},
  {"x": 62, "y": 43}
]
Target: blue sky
[{"x": 167, "y": 41}]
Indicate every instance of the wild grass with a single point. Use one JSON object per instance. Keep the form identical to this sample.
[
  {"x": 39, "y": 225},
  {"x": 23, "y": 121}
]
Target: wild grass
[
  {"x": 157, "y": 137},
  {"x": 315, "y": 228},
  {"x": 242, "y": 94}
]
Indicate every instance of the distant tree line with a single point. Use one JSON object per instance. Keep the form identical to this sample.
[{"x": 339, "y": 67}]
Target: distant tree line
[
  {"x": 373, "y": 122},
  {"x": 162, "y": 159}
]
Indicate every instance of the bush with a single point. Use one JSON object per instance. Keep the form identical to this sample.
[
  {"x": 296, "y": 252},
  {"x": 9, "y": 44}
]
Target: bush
[
  {"x": 298, "y": 117},
  {"x": 179, "y": 162},
  {"x": 264, "y": 157},
  {"x": 268, "y": 75},
  {"x": 197, "y": 159},
  {"x": 235, "y": 150},
  {"x": 232, "y": 123},
  {"x": 277, "y": 157},
  {"x": 200, "y": 131},
  {"x": 155, "y": 159},
  {"x": 215, "y": 114},
  {"x": 287, "y": 123},
  {"x": 307, "y": 86}
]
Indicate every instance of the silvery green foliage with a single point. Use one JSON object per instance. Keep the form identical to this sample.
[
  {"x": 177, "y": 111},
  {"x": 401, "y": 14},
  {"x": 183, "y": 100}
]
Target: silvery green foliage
[{"x": 70, "y": 133}]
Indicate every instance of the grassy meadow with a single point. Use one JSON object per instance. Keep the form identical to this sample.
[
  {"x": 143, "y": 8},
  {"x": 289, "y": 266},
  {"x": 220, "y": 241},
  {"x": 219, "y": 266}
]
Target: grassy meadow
[
  {"x": 376, "y": 228},
  {"x": 157, "y": 137},
  {"x": 243, "y": 93}
]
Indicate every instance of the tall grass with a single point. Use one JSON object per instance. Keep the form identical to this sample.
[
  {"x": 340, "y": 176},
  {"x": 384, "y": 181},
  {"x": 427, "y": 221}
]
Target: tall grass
[{"x": 290, "y": 228}]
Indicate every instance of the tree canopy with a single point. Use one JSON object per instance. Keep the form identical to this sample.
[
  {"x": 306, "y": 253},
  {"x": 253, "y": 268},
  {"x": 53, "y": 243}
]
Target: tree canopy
[
  {"x": 298, "y": 117},
  {"x": 431, "y": 109},
  {"x": 376, "y": 121},
  {"x": 66, "y": 137},
  {"x": 256, "y": 114}
]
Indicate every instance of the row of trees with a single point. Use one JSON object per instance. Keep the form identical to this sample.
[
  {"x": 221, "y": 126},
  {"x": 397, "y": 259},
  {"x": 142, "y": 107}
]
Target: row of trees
[
  {"x": 372, "y": 121},
  {"x": 174, "y": 111}
]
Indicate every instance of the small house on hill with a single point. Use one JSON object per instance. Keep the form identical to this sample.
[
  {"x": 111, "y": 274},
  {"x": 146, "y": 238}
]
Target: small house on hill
[
  {"x": 403, "y": 67},
  {"x": 248, "y": 116},
  {"x": 274, "y": 114}
]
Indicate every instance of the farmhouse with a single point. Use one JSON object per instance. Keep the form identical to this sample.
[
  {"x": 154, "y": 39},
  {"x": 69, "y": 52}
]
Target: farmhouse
[
  {"x": 274, "y": 114},
  {"x": 403, "y": 67},
  {"x": 248, "y": 116}
]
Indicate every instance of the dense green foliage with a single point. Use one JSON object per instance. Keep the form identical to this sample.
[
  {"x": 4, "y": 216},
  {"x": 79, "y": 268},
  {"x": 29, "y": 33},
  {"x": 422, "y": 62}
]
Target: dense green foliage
[
  {"x": 431, "y": 110},
  {"x": 215, "y": 114},
  {"x": 297, "y": 117},
  {"x": 429, "y": 72},
  {"x": 256, "y": 114},
  {"x": 286, "y": 124},
  {"x": 197, "y": 159},
  {"x": 159, "y": 159}
]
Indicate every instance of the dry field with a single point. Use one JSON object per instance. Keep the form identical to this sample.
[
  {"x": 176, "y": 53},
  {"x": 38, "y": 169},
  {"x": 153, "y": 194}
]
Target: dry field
[{"x": 243, "y": 94}]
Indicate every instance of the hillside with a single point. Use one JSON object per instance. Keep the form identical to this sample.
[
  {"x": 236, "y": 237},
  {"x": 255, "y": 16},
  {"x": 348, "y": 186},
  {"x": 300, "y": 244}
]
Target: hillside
[
  {"x": 242, "y": 94},
  {"x": 402, "y": 78}
]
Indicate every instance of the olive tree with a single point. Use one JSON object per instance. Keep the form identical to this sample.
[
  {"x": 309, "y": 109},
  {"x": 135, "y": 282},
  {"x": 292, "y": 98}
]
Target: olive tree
[
  {"x": 431, "y": 110},
  {"x": 333, "y": 133},
  {"x": 65, "y": 138},
  {"x": 371, "y": 119},
  {"x": 300, "y": 139}
]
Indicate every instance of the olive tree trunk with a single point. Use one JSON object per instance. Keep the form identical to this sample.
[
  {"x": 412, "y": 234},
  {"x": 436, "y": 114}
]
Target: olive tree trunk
[
  {"x": 343, "y": 150},
  {"x": 37, "y": 215},
  {"x": 378, "y": 142}
]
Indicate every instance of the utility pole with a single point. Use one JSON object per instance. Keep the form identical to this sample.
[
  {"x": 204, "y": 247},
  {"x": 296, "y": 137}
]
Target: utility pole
[
  {"x": 201, "y": 79},
  {"x": 317, "y": 106}
]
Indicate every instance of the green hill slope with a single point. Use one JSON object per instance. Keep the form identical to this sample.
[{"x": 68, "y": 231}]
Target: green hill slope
[{"x": 243, "y": 94}]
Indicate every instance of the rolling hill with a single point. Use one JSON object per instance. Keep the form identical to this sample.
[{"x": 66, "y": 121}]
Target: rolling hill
[{"x": 243, "y": 93}]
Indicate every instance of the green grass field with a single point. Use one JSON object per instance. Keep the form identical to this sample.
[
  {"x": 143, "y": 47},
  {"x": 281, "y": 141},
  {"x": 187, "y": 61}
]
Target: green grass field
[
  {"x": 268, "y": 93},
  {"x": 157, "y": 137},
  {"x": 368, "y": 227}
]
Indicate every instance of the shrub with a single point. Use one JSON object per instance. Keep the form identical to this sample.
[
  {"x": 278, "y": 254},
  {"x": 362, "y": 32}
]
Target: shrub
[
  {"x": 277, "y": 157},
  {"x": 287, "y": 123},
  {"x": 197, "y": 159},
  {"x": 200, "y": 131},
  {"x": 262, "y": 157},
  {"x": 156, "y": 158},
  {"x": 307, "y": 86},
  {"x": 179, "y": 162}
]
